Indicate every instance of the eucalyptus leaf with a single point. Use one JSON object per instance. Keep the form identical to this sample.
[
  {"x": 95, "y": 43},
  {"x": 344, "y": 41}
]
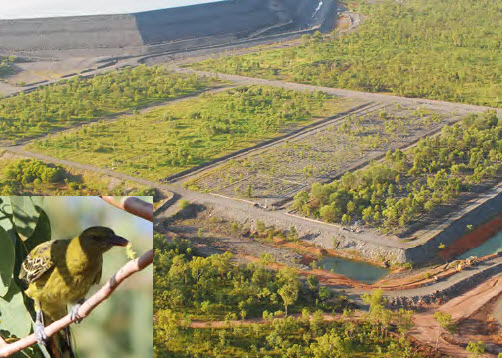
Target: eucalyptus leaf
[
  {"x": 25, "y": 213},
  {"x": 7, "y": 259},
  {"x": 42, "y": 232},
  {"x": 38, "y": 200},
  {"x": 6, "y": 218},
  {"x": 14, "y": 318}
]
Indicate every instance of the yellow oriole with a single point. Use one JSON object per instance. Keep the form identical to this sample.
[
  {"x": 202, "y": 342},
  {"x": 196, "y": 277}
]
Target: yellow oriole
[{"x": 61, "y": 272}]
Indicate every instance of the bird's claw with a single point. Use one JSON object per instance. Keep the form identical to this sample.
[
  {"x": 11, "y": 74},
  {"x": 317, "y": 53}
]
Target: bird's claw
[
  {"x": 74, "y": 313},
  {"x": 40, "y": 333}
]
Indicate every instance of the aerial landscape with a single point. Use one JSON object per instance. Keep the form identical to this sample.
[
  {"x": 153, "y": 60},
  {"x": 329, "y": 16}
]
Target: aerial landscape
[{"x": 326, "y": 174}]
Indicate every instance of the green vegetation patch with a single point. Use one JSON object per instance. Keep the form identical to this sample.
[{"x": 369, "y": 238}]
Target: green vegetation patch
[
  {"x": 34, "y": 177},
  {"x": 182, "y": 135},
  {"x": 408, "y": 184},
  {"x": 291, "y": 337},
  {"x": 80, "y": 99},
  {"x": 6, "y": 64},
  {"x": 215, "y": 288},
  {"x": 448, "y": 50}
]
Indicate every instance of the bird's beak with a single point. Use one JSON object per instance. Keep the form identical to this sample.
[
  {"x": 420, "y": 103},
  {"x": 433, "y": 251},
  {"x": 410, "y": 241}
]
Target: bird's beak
[{"x": 118, "y": 241}]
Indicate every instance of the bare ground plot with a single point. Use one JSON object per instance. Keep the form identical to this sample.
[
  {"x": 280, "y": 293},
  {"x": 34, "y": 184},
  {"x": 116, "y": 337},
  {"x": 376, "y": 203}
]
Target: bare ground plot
[
  {"x": 481, "y": 326},
  {"x": 273, "y": 175},
  {"x": 29, "y": 73},
  {"x": 472, "y": 312},
  {"x": 214, "y": 235}
]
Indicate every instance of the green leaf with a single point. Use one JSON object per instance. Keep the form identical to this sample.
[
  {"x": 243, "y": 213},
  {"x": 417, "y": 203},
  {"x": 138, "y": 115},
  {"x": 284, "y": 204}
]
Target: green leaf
[
  {"x": 6, "y": 218},
  {"x": 14, "y": 317},
  {"x": 7, "y": 257},
  {"x": 25, "y": 214},
  {"x": 42, "y": 232}
]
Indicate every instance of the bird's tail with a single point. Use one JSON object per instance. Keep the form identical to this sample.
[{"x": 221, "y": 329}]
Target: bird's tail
[{"x": 59, "y": 345}]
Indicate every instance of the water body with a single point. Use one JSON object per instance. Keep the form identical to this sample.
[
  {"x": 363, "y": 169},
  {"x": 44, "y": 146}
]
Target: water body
[
  {"x": 356, "y": 270},
  {"x": 491, "y": 246},
  {"x": 26, "y": 9}
]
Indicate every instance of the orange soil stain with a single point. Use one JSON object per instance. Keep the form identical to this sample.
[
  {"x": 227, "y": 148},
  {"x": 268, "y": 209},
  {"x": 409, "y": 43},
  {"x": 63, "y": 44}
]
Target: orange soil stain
[{"x": 478, "y": 236}]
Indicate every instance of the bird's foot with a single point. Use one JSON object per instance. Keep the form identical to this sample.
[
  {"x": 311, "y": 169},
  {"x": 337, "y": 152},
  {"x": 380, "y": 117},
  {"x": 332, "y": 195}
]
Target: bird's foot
[
  {"x": 74, "y": 312},
  {"x": 40, "y": 329}
]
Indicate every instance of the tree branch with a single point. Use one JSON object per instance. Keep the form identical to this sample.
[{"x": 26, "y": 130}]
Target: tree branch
[
  {"x": 94, "y": 301},
  {"x": 132, "y": 205}
]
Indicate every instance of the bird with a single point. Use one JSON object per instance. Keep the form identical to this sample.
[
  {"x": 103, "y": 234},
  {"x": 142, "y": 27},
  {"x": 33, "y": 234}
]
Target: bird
[{"x": 60, "y": 273}]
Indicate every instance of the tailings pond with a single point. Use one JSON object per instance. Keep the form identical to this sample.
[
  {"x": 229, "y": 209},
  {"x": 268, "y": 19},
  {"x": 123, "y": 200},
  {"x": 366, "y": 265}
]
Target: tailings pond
[{"x": 355, "y": 270}]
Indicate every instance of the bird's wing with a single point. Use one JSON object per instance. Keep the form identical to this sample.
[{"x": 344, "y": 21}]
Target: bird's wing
[{"x": 38, "y": 262}]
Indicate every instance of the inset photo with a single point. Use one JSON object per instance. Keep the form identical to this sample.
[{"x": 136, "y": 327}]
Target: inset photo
[{"x": 76, "y": 277}]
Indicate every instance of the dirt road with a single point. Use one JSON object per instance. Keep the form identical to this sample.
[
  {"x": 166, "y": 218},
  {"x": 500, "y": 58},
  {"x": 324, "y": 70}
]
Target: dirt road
[
  {"x": 250, "y": 321},
  {"x": 461, "y": 307}
]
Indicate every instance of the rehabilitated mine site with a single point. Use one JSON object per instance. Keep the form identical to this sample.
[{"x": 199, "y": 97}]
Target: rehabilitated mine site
[{"x": 351, "y": 147}]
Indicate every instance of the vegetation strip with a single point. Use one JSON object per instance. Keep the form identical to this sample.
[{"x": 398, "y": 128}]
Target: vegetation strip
[
  {"x": 79, "y": 100},
  {"x": 399, "y": 48}
]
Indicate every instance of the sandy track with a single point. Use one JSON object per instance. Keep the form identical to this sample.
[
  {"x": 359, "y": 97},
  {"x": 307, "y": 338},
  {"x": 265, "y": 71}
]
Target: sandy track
[
  {"x": 461, "y": 307},
  {"x": 250, "y": 321}
]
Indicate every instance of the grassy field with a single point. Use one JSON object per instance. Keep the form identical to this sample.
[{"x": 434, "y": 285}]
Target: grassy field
[
  {"x": 182, "y": 135},
  {"x": 79, "y": 100},
  {"x": 448, "y": 50}
]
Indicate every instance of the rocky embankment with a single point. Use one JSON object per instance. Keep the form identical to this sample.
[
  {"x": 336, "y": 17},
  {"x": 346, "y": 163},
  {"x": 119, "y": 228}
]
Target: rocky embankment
[{"x": 451, "y": 287}]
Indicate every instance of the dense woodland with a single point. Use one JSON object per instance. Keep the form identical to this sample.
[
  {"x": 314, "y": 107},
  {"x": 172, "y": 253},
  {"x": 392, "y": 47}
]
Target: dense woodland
[
  {"x": 189, "y": 133},
  {"x": 84, "y": 99},
  {"x": 295, "y": 337},
  {"x": 188, "y": 287},
  {"x": 393, "y": 192},
  {"x": 215, "y": 288},
  {"x": 449, "y": 50}
]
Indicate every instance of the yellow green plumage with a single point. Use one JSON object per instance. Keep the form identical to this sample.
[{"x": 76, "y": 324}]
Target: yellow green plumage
[{"x": 61, "y": 272}]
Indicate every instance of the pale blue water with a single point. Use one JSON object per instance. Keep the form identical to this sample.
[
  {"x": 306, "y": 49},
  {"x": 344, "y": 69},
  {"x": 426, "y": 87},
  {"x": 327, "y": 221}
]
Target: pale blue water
[
  {"x": 491, "y": 246},
  {"x": 24, "y": 9},
  {"x": 356, "y": 270}
]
